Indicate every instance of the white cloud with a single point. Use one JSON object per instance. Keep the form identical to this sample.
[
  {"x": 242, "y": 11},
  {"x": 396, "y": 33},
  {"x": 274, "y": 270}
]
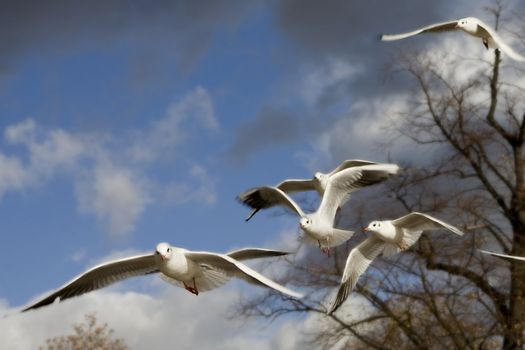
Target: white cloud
[
  {"x": 110, "y": 184},
  {"x": 366, "y": 130},
  {"x": 23, "y": 132},
  {"x": 317, "y": 81},
  {"x": 171, "y": 319},
  {"x": 297, "y": 334},
  {"x": 115, "y": 196},
  {"x": 200, "y": 190},
  {"x": 190, "y": 114},
  {"x": 361, "y": 133},
  {"x": 12, "y": 174}
]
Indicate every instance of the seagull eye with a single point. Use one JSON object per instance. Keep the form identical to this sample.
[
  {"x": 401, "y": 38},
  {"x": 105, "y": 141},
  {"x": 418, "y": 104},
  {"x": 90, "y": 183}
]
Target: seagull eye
[{"x": 168, "y": 250}]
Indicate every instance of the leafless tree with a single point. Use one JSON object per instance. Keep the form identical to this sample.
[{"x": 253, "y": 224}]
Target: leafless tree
[
  {"x": 442, "y": 293},
  {"x": 88, "y": 335}
]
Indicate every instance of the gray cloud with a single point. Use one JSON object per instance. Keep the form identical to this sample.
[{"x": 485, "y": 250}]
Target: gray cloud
[
  {"x": 349, "y": 31},
  {"x": 183, "y": 28},
  {"x": 328, "y": 35},
  {"x": 271, "y": 126},
  {"x": 338, "y": 58}
]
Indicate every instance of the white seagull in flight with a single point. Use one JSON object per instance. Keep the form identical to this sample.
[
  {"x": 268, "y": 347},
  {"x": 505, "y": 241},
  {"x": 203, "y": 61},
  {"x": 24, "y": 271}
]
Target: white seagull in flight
[
  {"x": 317, "y": 183},
  {"x": 318, "y": 226},
  {"x": 470, "y": 25},
  {"x": 195, "y": 271},
  {"x": 388, "y": 237}
]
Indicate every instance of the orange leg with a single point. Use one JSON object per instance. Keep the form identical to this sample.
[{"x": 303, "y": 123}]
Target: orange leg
[
  {"x": 325, "y": 250},
  {"x": 191, "y": 289}
]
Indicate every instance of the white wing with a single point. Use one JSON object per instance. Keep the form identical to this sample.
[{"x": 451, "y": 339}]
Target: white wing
[
  {"x": 418, "y": 221},
  {"x": 350, "y": 163},
  {"x": 437, "y": 27},
  {"x": 101, "y": 276},
  {"x": 296, "y": 185},
  {"x": 349, "y": 180},
  {"x": 266, "y": 196},
  {"x": 254, "y": 253},
  {"x": 356, "y": 264},
  {"x": 509, "y": 51},
  {"x": 235, "y": 268},
  {"x": 504, "y": 256}
]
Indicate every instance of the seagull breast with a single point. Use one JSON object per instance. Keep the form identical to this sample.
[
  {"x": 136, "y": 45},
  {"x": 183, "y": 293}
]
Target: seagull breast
[{"x": 179, "y": 267}]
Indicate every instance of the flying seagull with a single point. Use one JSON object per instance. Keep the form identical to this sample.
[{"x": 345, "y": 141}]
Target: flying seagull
[
  {"x": 504, "y": 256},
  {"x": 318, "y": 226},
  {"x": 317, "y": 183},
  {"x": 470, "y": 25},
  {"x": 388, "y": 237},
  {"x": 193, "y": 270}
]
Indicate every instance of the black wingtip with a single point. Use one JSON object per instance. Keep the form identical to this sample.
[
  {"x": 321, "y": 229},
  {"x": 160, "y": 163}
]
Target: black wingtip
[
  {"x": 254, "y": 211},
  {"x": 380, "y": 37}
]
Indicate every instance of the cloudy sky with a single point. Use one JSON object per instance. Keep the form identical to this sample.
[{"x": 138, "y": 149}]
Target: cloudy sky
[{"x": 126, "y": 124}]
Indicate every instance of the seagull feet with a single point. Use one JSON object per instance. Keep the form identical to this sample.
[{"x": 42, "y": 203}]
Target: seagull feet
[
  {"x": 403, "y": 245},
  {"x": 326, "y": 251},
  {"x": 192, "y": 290}
]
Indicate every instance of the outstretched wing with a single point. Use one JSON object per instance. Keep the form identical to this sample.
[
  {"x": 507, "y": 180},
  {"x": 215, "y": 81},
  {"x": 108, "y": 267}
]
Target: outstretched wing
[
  {"x": 436, "y": 27},
  {"x": 504, "y": 256},
  {"x": 254, "y": 253},
  {"x": 235, "y": 268},
  {"x": 349, "y": 180},
  {"x": 296, "y": 185},
  {"x": 350, "y": 163},
  {"x": 418, "y": 221},
  {"x": 356, "y": 264},
  {"x": 266, "y": 196},
  {"x": 509, "y": 51},
  {"x": 101, "y": 276}
]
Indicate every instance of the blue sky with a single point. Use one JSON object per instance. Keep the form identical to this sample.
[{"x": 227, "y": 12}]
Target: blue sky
[{"x": 124, "y": 125}]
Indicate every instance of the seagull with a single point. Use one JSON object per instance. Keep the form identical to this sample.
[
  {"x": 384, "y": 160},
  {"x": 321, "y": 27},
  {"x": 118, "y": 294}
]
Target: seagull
[
  {"x": 388, "y": 237},
  {"x": 470, "y": 25},
  {"x": 504, "y": 256},
  {"x": 318, "y": 226},
  {"x": 195, "y": 271},
  {"x": 317, "y": 183}
]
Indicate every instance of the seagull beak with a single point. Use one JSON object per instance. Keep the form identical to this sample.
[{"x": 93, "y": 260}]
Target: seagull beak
[{"x": 365, "y": 229}]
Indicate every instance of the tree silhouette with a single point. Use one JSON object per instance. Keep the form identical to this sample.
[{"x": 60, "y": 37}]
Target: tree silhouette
[
  {"x": 88, "y": 335},
  {"x": 442, "y": 293}
]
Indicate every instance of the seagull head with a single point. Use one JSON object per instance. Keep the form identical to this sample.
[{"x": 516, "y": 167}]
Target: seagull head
[
  {"x": 305, "y": 222},
  {"x": 374, "y": 226},
  {"x": 467, "y": 24},
  {"x": 164, "y": 251}
]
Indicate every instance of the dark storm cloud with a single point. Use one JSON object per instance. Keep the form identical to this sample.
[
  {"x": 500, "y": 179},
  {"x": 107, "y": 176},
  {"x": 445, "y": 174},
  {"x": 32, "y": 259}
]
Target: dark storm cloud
[
  {"x": 185, "y": 27},
  {"x": 322, "y": 32},
  {"x": 271, "y": 126},
  {"x": 348, "y": 31}
]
